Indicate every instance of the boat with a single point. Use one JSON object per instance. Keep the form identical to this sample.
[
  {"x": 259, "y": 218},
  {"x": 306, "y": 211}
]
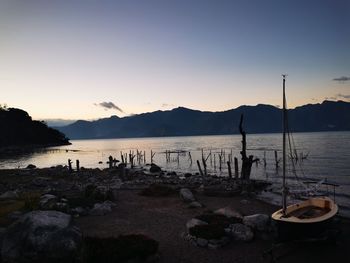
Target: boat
[{"x": 308, "y": 218}]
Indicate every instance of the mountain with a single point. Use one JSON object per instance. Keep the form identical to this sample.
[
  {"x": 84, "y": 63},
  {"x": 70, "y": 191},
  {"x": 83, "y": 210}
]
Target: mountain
[
  {"x": 327, "y": 116},
  {"x": 58, "y": 122},
  {"x": 18, "y": 129}
]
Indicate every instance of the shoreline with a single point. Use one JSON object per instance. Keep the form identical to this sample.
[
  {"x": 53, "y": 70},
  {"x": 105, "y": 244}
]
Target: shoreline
[{"x": 160, "y": 217}]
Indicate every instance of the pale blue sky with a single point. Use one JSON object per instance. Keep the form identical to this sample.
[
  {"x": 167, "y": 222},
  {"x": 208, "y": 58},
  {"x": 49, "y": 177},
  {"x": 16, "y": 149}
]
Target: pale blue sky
[{"x": 60, "y": 58}]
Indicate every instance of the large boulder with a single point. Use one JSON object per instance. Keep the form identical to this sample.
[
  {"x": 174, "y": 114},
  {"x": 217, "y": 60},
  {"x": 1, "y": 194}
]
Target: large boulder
[
  {"x": 41, "y": 236},
  {"x": 102, "y": 209},
  {"x": 195, "y": 222},
  {"x": 258, "y": 222},
  {"x": 9, "y": 195},
  {"x": 240, "y": 232},
  {"x": 228, "y": 212},
  {"x": 186, "y": 195},
  {"x": 155, "y": 168}
]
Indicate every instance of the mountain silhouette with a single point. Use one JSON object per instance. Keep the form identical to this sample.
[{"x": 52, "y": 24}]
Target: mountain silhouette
[
  {"x": 18, "y": 129},
  {"x": 327, "y": 116}
]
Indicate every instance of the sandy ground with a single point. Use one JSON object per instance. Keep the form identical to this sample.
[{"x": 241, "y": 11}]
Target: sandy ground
[{"x": 164, "y": 219}]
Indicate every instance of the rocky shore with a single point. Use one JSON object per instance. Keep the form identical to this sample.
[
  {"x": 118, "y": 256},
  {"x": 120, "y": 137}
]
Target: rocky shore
[{"x": 173, "y": 217}]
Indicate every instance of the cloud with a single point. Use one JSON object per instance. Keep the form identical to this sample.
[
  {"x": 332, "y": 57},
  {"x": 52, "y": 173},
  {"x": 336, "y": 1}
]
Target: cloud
[
  {"x": 343, "y": 96},
  {"x": 166, "y": 105},
  {"x": 109, "y": 106},
  {"x": 342, "y": 79}
]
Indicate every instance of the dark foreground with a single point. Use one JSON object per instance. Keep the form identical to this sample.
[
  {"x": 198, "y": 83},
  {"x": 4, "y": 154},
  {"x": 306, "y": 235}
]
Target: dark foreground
[{"x": 162, "y": 218}]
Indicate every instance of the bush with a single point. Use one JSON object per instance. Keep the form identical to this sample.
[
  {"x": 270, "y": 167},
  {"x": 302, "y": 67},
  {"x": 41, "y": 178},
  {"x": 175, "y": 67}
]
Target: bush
[
  {"x": 157, "y": 190},
  {"x": 121, "y": 249},
  {"x": 221, "y": 220},
  {"x": 207, "y": 231}
]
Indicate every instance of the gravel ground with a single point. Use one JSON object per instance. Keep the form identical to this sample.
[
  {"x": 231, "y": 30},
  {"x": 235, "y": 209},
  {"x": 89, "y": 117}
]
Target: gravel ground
[{"x": 164, "y": 219}]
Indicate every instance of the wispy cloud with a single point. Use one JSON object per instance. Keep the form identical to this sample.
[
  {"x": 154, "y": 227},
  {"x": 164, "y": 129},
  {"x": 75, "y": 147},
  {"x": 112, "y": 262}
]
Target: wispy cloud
[
  {"x": 343, "y": 96},
  {"x": 167, "y": 105},
  {"x": 342, "y": 79},
  {"x": 109, "y": 106}
]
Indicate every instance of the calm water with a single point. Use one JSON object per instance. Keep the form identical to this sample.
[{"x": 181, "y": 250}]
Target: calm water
[{"x": 329, "y": 155}]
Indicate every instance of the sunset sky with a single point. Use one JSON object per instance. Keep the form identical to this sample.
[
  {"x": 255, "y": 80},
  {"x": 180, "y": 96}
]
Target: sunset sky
[{"x": 81, "y": 59}]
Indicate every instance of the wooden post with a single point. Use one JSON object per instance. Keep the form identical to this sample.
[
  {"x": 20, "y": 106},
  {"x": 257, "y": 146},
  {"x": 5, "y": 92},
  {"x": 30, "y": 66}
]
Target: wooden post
[
  {"x": 190, "y": 158},
  {"x": 199, "y": 168},
  {"x": 110, "y": 161},
  {"x": 70, "y": 165},
  {"x": 78, "y": 166},
  {"x": 236, "y": 168},
  {"x": 229, "y": 170},
  {"x": 276, "y": 160},
  {"x": 204, "y": 166},
  {"x": 247, "y": 162}
]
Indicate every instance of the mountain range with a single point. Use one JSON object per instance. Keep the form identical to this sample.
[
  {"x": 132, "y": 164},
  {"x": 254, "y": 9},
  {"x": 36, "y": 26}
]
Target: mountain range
[{"x": 325, "y": 116}]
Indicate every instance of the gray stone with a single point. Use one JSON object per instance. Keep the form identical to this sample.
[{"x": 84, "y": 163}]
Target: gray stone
[
  {"x": 194, "y": 222},
  {"x": 258, "y": 221},
  {"x": 40, "y": 181},
  {"x": 228, "y": 212},
  {"x": 47, "y": 202},
  {"x": 241, "y": 232},
  {"x": 102, "y": 209},
  {"x": 41, "y": 236},
  {"x": 9, "y": 195},
  {"x": 186, "y": 195},
  {"x": 201, "y": 242}
]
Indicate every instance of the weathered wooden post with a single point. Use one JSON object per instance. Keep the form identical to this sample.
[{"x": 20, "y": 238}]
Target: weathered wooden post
[
  {"x": 229, "y": 170},
  {"x": 110, "y": 161},
  {"x": 247, "y": 162},
  {"x": 70, "y": 165},
  {"x": 199, "y": 168},
  {"x": 190, "y": 158},
  {"x": 78, "y": 166},
  {"x": 276, "y": 160},
  {"x": 236, "y": 168}
]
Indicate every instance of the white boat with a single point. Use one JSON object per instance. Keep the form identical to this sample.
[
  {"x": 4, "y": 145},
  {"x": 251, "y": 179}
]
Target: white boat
[{"x": 306, "y": 218}]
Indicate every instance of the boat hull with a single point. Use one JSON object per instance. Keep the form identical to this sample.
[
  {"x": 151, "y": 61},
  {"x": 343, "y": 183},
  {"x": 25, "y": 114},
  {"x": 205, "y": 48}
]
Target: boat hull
[{"x": 307, "y": 219}]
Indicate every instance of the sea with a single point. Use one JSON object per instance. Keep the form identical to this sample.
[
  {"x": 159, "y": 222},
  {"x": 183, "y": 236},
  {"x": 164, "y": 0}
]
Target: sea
[{"x": 317, "y": 156}]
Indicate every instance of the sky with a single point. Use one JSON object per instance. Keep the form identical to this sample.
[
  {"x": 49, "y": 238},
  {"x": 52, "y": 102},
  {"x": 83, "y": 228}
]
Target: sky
[{"x": 85, "y": 59}]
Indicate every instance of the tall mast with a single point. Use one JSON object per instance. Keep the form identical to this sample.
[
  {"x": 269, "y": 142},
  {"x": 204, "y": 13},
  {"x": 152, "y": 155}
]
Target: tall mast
[{"x": 284, "y": 189}]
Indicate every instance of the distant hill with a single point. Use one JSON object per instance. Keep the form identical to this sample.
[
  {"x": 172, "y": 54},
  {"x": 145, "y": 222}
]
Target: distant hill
[
  {"x": 327, "y": 116},
  {"x": 18, "y": 129}
]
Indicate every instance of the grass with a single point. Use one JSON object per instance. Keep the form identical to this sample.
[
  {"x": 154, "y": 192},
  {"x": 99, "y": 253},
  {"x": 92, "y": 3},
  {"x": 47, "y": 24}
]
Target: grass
[{"x": 122, "y": 249}]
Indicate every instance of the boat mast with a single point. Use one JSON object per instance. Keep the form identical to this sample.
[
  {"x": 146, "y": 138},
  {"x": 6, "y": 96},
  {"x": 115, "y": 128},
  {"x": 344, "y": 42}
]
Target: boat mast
[{"x": 284, "y": 189}]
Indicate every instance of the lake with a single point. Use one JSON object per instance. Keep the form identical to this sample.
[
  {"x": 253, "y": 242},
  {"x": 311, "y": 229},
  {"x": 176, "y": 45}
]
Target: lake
[{"x": 328, "y": 156}]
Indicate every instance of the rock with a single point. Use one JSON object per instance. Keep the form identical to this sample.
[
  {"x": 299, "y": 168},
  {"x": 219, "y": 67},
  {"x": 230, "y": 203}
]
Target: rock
[
  {"x": 9, "y": 195},
  {"x": 31, "y": 166},
  {"x": 228, "y": 212},
  {"x": 194, "y": 222},
  {"x": 258, "y": 221},
  {"x": 80, "y": 211},
  {"x": 186, "y": 195},
  {"x": 15, "y": 215},
  {"x": 40, "y": 181},
  {"x": 195, "y": 204},
  {"x": 47, "y": 202},
  {"x": 41, "y": 236},
  {"x": 101, "y": 209},
  {"x": 241, "y": 232},
  {"x": 155, "y": 168},
  {"x": 188, "y": 175},
  {"x": 201, "y": 242}
]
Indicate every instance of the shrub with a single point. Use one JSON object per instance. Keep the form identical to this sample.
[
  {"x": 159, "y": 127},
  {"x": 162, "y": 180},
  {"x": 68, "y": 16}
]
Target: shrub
[
  {"x": 121, "y": 249},
  {"x": 214, "y": 219},
  {"x": 207, "y": 231}
]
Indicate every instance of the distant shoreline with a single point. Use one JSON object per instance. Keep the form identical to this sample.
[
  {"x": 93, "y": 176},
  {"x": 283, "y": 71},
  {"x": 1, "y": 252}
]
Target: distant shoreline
[{"x": 24, "y": 149}]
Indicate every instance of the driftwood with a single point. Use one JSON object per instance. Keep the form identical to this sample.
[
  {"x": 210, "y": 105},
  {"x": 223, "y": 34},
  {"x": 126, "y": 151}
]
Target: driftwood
[{"x": 247, "y": 161}]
